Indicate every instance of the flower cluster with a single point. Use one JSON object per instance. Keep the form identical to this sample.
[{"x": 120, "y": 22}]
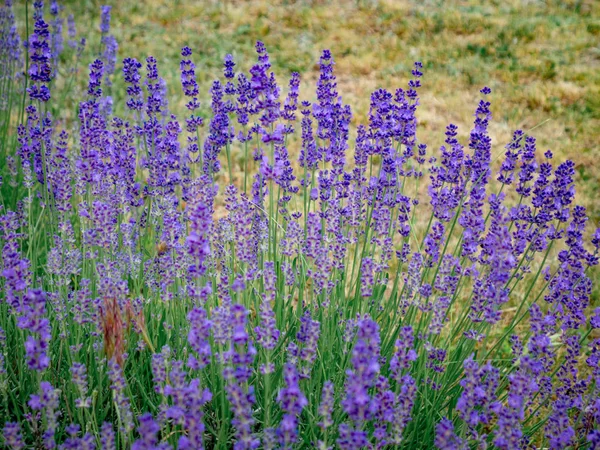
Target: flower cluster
[{"x": 310, "y": 294}]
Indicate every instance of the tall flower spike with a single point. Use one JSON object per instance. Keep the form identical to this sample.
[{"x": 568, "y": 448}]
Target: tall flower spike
[
  {"x": 132, "y": 78},
  {"x": 47, "y": 402},
  {"x": 198, "y": 338},
  {"x": 267, "y": 333},
  {"x": 40, "y": 71},
  {"x": 13, "y": 438},
  {"x": 188, "y": 79},
  {"x": 292, "y": 402}
]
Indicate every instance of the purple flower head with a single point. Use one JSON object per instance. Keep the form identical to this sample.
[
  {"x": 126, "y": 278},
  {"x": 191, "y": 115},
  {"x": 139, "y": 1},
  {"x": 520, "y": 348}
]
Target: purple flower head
[
  {"x": 79, "y": 378},
  {"x": 132, "y": 77},
  {"x": 32, "y": 319},
  {"x": 155, "y": 97},
  {"x": 198, "y": 338},
  {"x": 188, "y": 79},
  {"x": 197, "y": 241},
  {"x": 292, "y": 402},
  {"x": 229, "y": 65},
  {"x": 107, "y": 436},
  {"x": 105, "y": 19},
  {"x": 358, "y": 403},
  {"x": 118, "y": 388},
  {"x": 96, "y": 71},
  {"x": 446, "y": 438},
  {"x": 160, "y": 363},
  {"x": 478, "y": 396},
  {"x": 267, "y": 333},
  {"x": 40, "y": 71},
  {"x": 48, "y": 402},
  {"x": 13, "y": 438},
  {"x": 308, "y": 338},
  {"x": 404, "y": 355},
  {"x": 291, "y": 102},
  {"x": 326, "y": 405},
  {"x": 237, "y": 373},
  {"x": 148, "y": 431},
  {"x": 109, "y": 56}
]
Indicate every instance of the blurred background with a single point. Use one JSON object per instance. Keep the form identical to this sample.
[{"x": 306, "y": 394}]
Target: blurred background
[{"x": 541, "y": 59}]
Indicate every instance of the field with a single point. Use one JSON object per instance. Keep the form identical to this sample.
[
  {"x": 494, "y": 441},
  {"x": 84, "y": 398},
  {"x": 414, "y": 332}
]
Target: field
[{"x": 346, "y": 249}]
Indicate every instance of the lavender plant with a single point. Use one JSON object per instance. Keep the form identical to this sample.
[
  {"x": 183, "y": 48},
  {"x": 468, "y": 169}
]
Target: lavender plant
[{"x": 267, "y": 276}]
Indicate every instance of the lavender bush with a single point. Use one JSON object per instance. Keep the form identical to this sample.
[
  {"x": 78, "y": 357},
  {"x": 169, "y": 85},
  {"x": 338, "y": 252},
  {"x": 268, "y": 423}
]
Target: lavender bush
[{"x": 183, "y": 282}]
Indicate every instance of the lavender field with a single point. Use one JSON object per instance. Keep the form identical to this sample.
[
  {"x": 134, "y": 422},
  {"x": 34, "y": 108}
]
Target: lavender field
[{"x": 246, "y": 264}]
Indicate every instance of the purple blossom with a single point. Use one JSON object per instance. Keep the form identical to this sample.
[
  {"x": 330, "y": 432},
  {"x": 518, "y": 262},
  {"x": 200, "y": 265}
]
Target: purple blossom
[
  {"x": 198, "y": 338},
  {"x": 308, "y": 338},
  {"x": 122, "y": 402},
  {"x": 32, "y": 318},
  {"x": 292, "y": 402},
  {"x": 446, "y": 438},
  {"x": 48, "y": 402},
  {"x": 96, "y": 71},
  {"x": 132, "y": 77},
  {"x": 148, "y": 431},
  {"x": 358, "y": 404},
  {"x": 79, "y": 378},
  {"x": 188, "y": 79},
  {"x": 267, "y": 333},
  {"x": 40, "y": 71},
  {"x": 107, "y": 437},
  {"x": 105, "y": 19},
  {"x": 13, "y": 438},
  {"x": 326, "y": 405}
]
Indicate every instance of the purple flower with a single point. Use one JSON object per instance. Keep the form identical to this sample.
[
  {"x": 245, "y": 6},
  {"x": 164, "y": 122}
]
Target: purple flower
[
  {"x": 188, "y": 79},
  {"x": 107, "y": 436},
  {"x": 326, "y": 405},
  {"x": 109, "y": 56},
  {"x": 105, "y": 19},
  {"x": 237, "y": 372},
  {"x": 198, "y": 338},
  {"x": 48, "y": 402},
  {"x": 32, "y": 319},
  {"x": 87, "y": 442},
  {"x": 308, "y": 338},
  {"x": 404, "y": 355},
  {"x": 197, "y": 241},
  {"x": 13, "y": 438},
  {"x": 79, "y": 378},
  {"x": 96, "y": 71},
  {"x": 358, "y": 403},
  {"x": 10, "y": 41},
  {"x": 366, "y": 277},
  {"x": 267, "y": 333},
  {"x": 478, "y": 396},
  {"x": 292, "y": 402},
  {"x": 148, "y": 431},
  {"x": 132, "y": 77},
  {"x": 118, "y": 387},
  {"x": 160, "y": 364},
  {"x": 229, "y": 65},
  {"x": 291, "y": 102},
  {"x": 40, "y": 71},
  {"x": 155, "y": 98},
  {"x": 446, "y": 438}
]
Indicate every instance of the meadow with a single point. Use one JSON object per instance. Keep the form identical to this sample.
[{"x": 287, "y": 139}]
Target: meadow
[{"x": 299, "y": 225}]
